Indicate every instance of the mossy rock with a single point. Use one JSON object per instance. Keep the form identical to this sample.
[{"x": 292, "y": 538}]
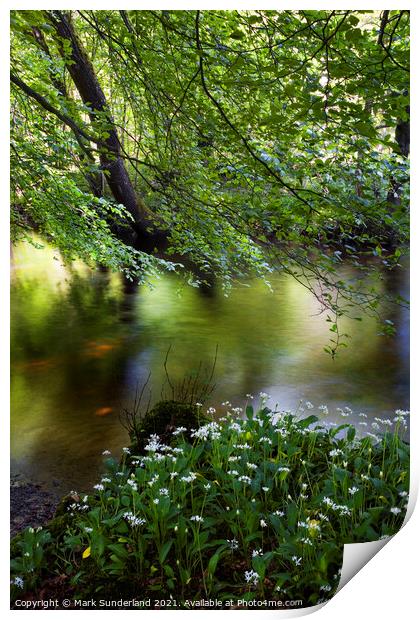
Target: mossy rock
[
  {"x": 163, "y": 419},
  {"x": 57, "y": 527}
]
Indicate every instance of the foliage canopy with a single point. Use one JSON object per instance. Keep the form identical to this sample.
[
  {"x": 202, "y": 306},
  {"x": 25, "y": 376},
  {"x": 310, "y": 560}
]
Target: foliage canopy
[{"x": 253, "y": 140}]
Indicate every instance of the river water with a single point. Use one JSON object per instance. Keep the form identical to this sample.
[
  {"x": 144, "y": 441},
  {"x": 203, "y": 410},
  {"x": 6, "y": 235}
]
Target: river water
[{"x": 81, "y": 345}]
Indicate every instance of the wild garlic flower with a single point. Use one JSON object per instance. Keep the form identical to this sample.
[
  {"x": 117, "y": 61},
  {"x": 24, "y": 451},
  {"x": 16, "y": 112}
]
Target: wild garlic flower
[
  {"x": 132, "y": 484},
  {"x": 242, "y": 446},
  {"x": 197, "y": 518},
  {"x": 395, "y": 510},
  {"x": 179, "y": 430},
  {"x": 353, "y": 490},
  {"x": 251, "y": 577},
  {"x": 245, "y": 479},
  {"x": 154, "y": 444},
  {"x": 263, "y": 523},
  {"x": 233, "y": 544},
  {"x": 133, "y": 520},
  {"x": 296, "y": 560},
  {"x": 252, "y": 466},
  {"x": 191, "y": 476},
  {"x": 18, "y": 581},
  {"x": 106, "y": 453},
  {"x": 164, "y": 492},
  {"x": 126, "y": 450},
  {"x": 208, "y": 431},
  {"x": 278, "y": 513},
  {"x": 99, "y": 487}
]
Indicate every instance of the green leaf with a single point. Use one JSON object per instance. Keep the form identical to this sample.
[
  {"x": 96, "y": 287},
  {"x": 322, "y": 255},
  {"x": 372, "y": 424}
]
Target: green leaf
[{"x": 165, "y": 550}]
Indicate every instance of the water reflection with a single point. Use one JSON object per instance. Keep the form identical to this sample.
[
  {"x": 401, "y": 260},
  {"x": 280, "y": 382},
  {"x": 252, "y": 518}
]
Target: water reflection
[{"x": 81, "y": 341}]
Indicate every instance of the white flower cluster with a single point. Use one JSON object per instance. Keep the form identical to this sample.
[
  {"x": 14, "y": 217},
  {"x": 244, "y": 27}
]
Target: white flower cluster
[
  {"x": 133, "y": 520},
  {"x": 191, "y": 476},
  {"x": 252, "y": 466},
  {"x": 208, "y": 431},
  {"x": 278, "y": 513},
  {"x": 242, "y": 446},
  {"x": 251, "y": 577},
  {"x": 78, "y": 507},
  {"x": 179, "y": 430},
  {"x": 154, "y": 444},
  {"x": 336, "y": 452},
  {"x": 197, "y": 518},
  {"x": 343, "y": 510},
  {"x": 132, "y": 484},
  {"x": 17, "y": 581}
]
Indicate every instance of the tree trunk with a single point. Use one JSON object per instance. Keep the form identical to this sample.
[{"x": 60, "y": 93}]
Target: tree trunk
[
  {"x": 91, "y": 93},
  {"x": 94, "y": 180}
]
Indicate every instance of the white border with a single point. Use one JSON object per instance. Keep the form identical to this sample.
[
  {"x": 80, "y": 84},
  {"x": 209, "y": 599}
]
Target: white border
[{"x": 387, "y": 586}]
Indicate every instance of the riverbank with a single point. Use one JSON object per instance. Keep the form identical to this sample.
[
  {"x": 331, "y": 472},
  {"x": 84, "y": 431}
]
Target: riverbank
[
  {"x": 31, "y": 505},
  {"x": 255, "y": 505}
]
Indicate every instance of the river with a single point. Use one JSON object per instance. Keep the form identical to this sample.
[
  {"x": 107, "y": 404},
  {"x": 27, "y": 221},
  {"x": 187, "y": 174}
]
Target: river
[{"x": 81, "y": 344}]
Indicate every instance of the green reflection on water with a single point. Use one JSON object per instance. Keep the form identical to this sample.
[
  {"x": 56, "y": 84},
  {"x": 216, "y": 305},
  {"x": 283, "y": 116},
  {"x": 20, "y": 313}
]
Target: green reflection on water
[{"x": 80, "y": 344}]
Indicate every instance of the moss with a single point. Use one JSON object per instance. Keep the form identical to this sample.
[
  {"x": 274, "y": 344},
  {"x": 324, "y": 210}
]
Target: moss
[
  {"x": 58, "y": 526},
  {"x": 162, "y": 420}
]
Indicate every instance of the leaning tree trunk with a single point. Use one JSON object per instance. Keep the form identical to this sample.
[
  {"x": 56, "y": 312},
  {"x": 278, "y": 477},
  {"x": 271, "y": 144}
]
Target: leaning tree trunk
[
  {"x": 94, "y": 180},
  {"x": 86, "y": 82}
]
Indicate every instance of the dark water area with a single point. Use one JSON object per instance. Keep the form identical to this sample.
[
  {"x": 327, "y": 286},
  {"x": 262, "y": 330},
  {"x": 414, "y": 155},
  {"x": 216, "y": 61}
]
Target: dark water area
[{"x": 81, "y": 343}]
